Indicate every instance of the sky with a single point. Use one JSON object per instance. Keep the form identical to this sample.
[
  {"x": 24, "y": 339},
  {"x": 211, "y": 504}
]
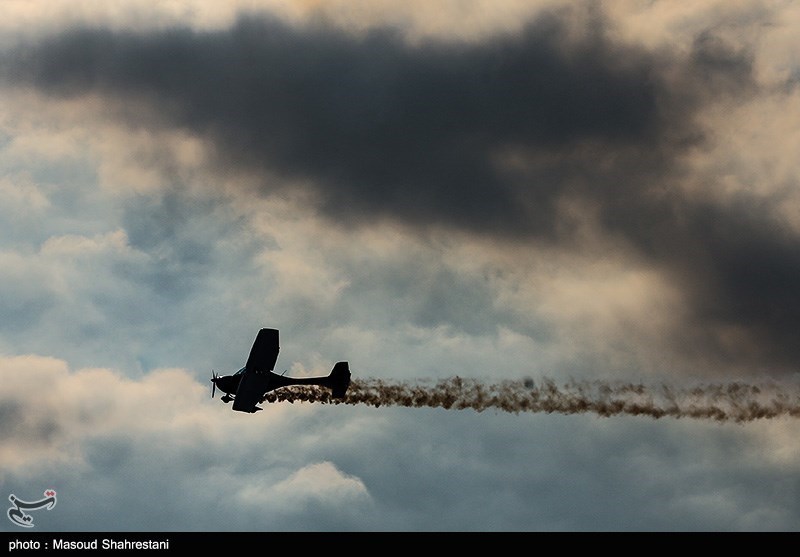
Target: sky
[{"x": 531, "y": 192}]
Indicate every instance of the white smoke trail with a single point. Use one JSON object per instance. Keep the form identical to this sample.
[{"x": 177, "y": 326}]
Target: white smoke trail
[{"x": 724, "y": 402}]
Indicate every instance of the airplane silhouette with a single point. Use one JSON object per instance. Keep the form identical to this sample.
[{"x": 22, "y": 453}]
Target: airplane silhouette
[{"x": 250, "y": 385}]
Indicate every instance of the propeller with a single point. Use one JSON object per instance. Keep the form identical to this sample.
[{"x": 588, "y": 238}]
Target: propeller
[{"x": 213, "y": 383}]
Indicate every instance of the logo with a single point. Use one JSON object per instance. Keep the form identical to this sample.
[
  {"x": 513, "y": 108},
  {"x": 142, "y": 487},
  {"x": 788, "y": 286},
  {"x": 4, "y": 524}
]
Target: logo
[{"x": 17, "y": 514}]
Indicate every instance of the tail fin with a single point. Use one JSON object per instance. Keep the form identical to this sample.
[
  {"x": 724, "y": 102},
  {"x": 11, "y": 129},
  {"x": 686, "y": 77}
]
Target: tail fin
[{"x": 339, "y": 379}]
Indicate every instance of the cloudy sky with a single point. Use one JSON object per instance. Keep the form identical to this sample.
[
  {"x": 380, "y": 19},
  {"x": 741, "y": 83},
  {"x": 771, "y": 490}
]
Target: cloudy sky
[{"x": 499, "y": 190}]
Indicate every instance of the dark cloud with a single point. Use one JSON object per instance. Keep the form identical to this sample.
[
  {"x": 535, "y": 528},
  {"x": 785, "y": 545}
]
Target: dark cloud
[
  {"x": 425, "y": 134},
  {"x": 743, "y": 267},
  {"x": 384, "y": 128}
]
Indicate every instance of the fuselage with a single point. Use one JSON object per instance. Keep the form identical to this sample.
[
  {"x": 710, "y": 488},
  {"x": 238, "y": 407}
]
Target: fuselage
[{"x": 229, "y": 384}]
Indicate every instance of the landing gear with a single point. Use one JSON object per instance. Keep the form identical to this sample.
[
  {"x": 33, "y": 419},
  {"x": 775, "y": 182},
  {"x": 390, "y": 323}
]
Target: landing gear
[{"x": 226, "y": 399}]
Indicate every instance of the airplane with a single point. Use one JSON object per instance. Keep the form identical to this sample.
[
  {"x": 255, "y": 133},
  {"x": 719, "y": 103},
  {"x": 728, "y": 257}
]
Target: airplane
[{"x": 250, "y": 385}]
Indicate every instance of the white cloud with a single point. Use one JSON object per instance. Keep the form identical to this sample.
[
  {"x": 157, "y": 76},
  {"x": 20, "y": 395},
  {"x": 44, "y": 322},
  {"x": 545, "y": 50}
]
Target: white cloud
[
  {"x": 313, "y": 485},
  {"x": 51, "y": 413}
]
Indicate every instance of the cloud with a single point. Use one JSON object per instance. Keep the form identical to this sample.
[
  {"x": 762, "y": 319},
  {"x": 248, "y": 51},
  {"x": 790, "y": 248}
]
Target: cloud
[
  {"x": 391, "y": 129},
  {"x": 51, "y": 411},
  {"x": 95, "y": 433},
  {"x": 162, "y": 198},
  {"x": 317, "y": 489},
  {"x": 156, "y": 454},
  {"x": 557, "y": 134}
]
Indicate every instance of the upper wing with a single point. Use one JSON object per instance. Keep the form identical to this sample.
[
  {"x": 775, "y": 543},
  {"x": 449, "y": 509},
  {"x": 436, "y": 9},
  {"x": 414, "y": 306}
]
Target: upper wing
[{"x": 264, "y": 352}]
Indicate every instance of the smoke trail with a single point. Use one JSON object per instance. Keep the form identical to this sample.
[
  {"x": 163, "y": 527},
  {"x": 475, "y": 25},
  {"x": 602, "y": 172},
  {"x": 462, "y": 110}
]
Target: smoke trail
[{"x": 728, "y": 402}]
